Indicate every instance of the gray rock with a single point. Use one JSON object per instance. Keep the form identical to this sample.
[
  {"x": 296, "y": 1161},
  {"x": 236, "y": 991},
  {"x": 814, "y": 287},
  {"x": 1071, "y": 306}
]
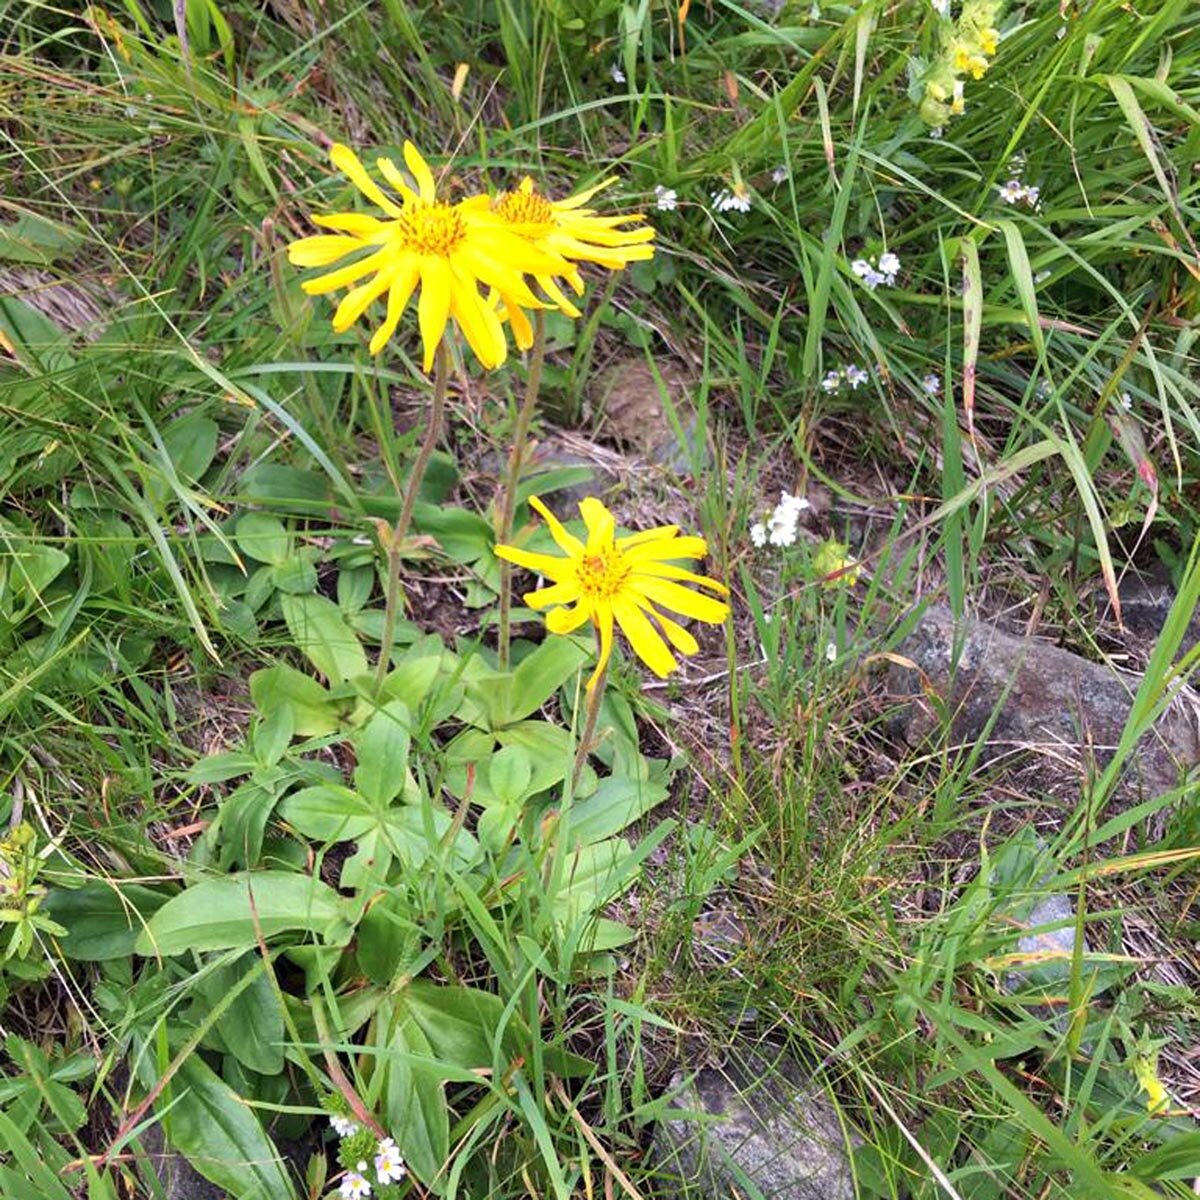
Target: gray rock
[
  {"x": 1053, "y": 910},
  {"x": 1049, "y": 700},
  {"x": 762, "y": 1128},
  {"x": 1146, "y": 600},
  {"x": 177, "y": 1177}
]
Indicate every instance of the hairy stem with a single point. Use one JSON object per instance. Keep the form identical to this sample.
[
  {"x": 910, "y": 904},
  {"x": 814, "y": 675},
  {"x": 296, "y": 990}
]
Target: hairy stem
[
  {"x": 516, "y": 460},
  {"x": 433, "y": 433}
]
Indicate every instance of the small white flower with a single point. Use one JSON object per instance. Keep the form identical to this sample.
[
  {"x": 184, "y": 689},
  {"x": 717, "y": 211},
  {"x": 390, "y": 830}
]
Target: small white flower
[
  {"x": 782, "y": 529},
  {"x": 1061, "y": 32},
  {"x": 389, "y": 1166},
  {"x": 1031, "y": 196},
  {"x": 758, "y": 534},
  {"x": 664, "y": 198},
  {"x": 831, "y": 652},
  {"x": 941, "y": 7},
  {"x": 932, "y": 383},
  {"x": 889, "y": 265},
  {"x": 618, "y": 76},
  {"x": 1126, "y": 401},
  {"x": 935, "y": 134},
  {"x": 1042, "y": 276},
  {"x": 861, "y": 268},
  {"x": 832, "y": 381},
  {"x": 343, "y": 1126},
  {"x": 779, "y": 174},
  {"x": 855, "y": 375},
  {"x": 814, "y": 12},
  {"x": 355, "y": 1184},
  {"x": 1012, "y": 192},
  {"x": 1044, "y": 390}
]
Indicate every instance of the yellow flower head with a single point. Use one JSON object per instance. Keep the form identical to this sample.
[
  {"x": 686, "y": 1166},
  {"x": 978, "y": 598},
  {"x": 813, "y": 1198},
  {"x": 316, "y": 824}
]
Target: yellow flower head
[
  {"x": 989, "y": 39},
  {"x": 567, "y": 230},
  {"x": 609, "y": 578},
  {"x": 442, "y": 247}
]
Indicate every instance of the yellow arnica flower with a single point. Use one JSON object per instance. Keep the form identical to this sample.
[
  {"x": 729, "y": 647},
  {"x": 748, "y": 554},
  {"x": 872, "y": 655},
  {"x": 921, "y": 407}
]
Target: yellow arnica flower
[
  {"x": 569, "y": 231},
  {"x": 626, "y": 580},
  {"x": 423, "y": 241}
]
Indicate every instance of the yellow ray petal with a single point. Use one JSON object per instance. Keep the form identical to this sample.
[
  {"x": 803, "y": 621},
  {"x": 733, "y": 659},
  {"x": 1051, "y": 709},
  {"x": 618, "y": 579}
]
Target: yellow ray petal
[
  {"x": 658, "y": 533},
  {"x": 359, "y": 224},
  {"x": 566, "y": 592},
  {"x": 670, "y": 571},
  {"x": 566, "y": 620},
  {"x": 420, "y": 171},
  {"x": 679, "y": 637},
  {"x": 407, "y": 274},
  {"x": 467, "y": 309},
  {"x": 581, "y": 198},
  {"x": 667, "y": 549},
  {"x": 645, "y": 640},
  {"x": 603, "y": 620},
  {"x": 559, "y": 569},
  {"x": 356, "y": 301},
  {"x": 348, "y": 163},
  {"x": 522, "y": 329},
  {"x": 391, "y": 173},
  {"x": 680, "y": 599},
  {"x": 568, "y": 543},
  {"x": 322, "y": 249},
  {"x": 433, "y": 309},
  {"x": 600, "y": 525},
  {"x": 547, "y": 284},
  {"x": 345, "y": 276}
]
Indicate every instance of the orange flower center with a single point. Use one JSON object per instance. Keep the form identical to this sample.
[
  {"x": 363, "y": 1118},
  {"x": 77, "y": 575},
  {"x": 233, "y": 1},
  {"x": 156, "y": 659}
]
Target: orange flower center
[
  {"x": 523, "y": 208},
  {"x": 602, "y": 576},
  {"x": 434, "y": 229}
]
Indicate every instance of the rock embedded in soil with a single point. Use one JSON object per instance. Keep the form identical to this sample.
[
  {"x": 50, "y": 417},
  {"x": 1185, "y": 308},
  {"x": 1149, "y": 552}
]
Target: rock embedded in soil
[
  {"x": 1146, "y": 601},
  {"x": 1049, "y": 700},
  {"x": 1058, "y": 943},
  {"x": 762, "y": 1122}
]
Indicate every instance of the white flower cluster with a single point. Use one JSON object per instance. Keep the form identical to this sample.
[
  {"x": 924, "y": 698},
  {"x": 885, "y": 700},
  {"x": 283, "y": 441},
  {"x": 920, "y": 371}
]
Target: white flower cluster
[
  {"x": 389, "y": 1166},
  {"x": 873, "y": 274},
  {"x": 779, "y": 529},
  {"x": 852, "y": 375},
  {"x": 1014, "y": 192},
  {"x": 664, "y": 198},
  {"x": 736, "y": 198}
]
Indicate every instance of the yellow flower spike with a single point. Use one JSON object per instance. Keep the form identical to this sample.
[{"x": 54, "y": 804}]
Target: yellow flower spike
[
  {"x": 566, "y": 229},
  {"x": 447, "y": 251},
  {"x": 622, "y": 581},
  {"x": 989, "y": 39}
]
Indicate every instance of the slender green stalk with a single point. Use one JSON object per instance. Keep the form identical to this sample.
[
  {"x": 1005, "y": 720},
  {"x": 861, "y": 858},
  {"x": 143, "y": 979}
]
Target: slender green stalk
[
  {"x": 441, "y": 378},
  {"x": 595, "y": 698},
  {"x": 516, "y": 461}
]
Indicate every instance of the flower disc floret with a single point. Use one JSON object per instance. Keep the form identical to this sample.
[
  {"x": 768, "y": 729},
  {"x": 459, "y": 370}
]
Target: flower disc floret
[{"x": 627, "y": 582}]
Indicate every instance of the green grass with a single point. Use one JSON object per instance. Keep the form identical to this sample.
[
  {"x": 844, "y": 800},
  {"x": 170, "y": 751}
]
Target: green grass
[{"x": 192, "y": 466}]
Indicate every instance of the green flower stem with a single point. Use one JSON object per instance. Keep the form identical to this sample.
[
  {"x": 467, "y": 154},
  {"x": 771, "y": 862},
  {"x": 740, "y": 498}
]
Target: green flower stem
[
  {"x": 516, "y": 460},
  {"x": 591, "y": 715},
  {"x": 441, "y": 379}
]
